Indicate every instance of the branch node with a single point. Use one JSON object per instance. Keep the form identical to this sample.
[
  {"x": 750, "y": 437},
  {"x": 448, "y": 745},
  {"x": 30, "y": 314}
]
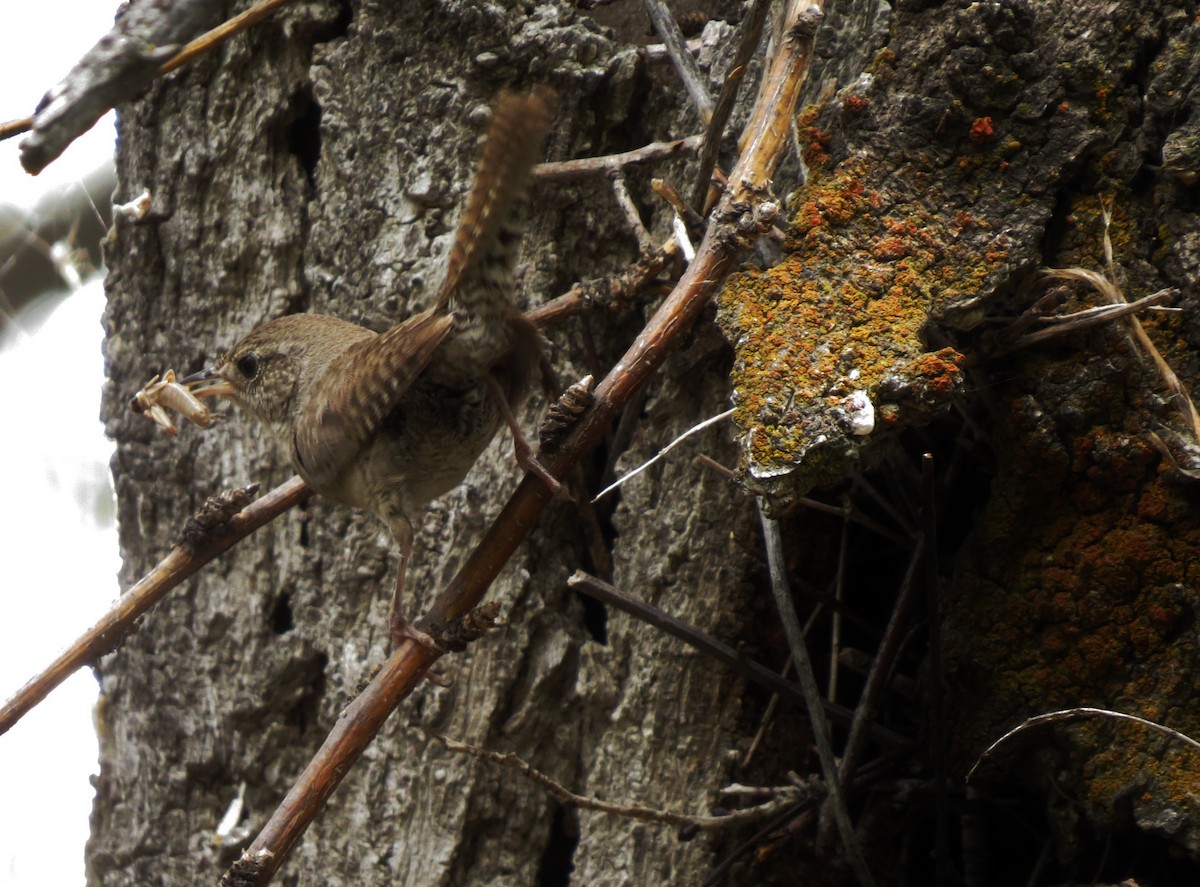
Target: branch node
[
  {"x": 248, "y": 870},
  {"x": 455, "y": 635},
  {"x": 211, "y": 518}
]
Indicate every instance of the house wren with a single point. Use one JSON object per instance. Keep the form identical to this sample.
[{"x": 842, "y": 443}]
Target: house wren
[{"x": 388, "y": 422}]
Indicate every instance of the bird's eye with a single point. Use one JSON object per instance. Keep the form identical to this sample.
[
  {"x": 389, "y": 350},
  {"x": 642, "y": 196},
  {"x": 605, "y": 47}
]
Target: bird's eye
[{"x": 248, "y": 365}]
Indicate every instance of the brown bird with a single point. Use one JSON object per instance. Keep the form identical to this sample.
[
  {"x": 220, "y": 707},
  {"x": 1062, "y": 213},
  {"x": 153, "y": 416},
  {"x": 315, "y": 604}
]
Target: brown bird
[{"x": 388, "y": 422}]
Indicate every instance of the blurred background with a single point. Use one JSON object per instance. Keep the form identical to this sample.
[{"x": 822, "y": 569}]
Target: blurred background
[{"x": 58, "y": 549}]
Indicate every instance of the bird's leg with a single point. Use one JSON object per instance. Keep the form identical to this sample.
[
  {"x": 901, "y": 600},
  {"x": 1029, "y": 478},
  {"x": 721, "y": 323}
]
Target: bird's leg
[
  {"x": 521, "y": 447},
  {"x": 399, "y": 627}
]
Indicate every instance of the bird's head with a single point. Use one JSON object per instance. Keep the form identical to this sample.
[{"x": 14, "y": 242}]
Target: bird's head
[{"x": 271, "y": 370}]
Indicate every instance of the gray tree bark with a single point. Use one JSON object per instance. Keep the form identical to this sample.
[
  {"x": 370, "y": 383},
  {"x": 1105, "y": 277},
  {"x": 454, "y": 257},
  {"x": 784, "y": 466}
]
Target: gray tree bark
[{"x": 317, "y": 164}]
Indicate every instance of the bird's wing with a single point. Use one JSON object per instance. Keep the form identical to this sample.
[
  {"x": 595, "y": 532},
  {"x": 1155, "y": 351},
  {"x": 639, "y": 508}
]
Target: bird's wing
[{"x": 358, "y": 390}]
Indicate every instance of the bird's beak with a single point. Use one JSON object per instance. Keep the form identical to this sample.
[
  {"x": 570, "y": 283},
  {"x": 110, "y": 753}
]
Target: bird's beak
[{"x": 207, "y": 383}]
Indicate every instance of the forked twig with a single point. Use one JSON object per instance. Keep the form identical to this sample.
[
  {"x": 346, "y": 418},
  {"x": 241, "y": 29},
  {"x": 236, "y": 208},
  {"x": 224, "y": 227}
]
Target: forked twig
[
  {"x": 560, "y": 171},
  {"x": 739, "y": 218}
]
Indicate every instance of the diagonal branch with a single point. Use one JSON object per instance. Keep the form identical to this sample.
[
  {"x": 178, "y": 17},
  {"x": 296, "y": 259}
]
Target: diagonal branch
[
  {"x": 742, "y": 215},
  {"x": 215, "y": 529},
  {"x": 689, "y": 72}
]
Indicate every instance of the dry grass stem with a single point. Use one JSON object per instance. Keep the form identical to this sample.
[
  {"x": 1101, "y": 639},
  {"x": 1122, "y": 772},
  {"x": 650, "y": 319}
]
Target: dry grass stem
[
  {"x": 1107, "y": 286},
  {"x": 695, "y": 429},
  {"x": 1069, "y": 714}
]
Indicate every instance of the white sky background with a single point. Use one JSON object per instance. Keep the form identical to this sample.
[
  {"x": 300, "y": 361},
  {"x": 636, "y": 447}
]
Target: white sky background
[{"x": 57, "y": 567}]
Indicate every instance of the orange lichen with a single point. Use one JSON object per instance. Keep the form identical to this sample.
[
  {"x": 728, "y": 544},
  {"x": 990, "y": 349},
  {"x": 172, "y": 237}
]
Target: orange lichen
[
  {"x": 982, "y": 131},
  {"x": 857, "y": 104},
  {"x": 844, "y": 311}
]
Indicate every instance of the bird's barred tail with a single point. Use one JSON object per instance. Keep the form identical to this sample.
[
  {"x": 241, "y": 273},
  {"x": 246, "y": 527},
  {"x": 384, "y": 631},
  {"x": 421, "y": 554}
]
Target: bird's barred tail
[{"x": 480, "y": 267}]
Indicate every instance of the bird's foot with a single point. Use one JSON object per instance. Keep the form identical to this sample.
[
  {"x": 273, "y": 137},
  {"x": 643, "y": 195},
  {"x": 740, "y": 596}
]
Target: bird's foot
[
  {"x": 402, "y": 630},
  {"x": 528, "y": 460}
]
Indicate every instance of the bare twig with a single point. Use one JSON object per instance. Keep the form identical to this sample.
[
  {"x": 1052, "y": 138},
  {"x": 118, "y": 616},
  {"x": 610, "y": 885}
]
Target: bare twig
[
  {"x": 710, "y": 646},
  {"x": 212, "y": 533},
  {"x": 1069, "y": 714},
  {"x": 695, "y": 429},
  {"x": 11, "y": 128},
  {"x": 562, "y": 171},
  {"x": 877, "y": 678},
  {"x": 221, "y": 33},
  {"x": 738, "y": 219},
  {"x": 607, "y": 291},
  {"x": 784, "y": 820},
  {"x": 632, "y": 216},
  {"x": 781, "y": 800},
  {"x": 812, "y": 694},
  {"x": 937, "y": 694},
  {"x": 692, "y": 221},
  {"x": 752, "y": 27},
  {"x": 689, "y": 72},
  {"x": 839, "y": 597}
]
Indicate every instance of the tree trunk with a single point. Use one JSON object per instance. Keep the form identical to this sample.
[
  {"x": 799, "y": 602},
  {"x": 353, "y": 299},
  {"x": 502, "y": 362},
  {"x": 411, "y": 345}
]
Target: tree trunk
[{"x": 318, "y": 163}]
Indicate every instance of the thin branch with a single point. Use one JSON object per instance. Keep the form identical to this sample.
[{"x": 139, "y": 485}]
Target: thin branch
[
  {"x": 752, "y": 28},
  {"x": 692, "y": 221},
  {"x": 783, "y": 799},
  {"x": 11, "y": 128},
  {"x": 181, "y": 563},
  {"x": 1068, "y": 714},
  {"x": 878, "y": 677},
  {"x": 785, "y": 819},
  {"x": 211, "y": 532},
  {"x": 937, "y": 694},
  {"x": 606, "y": 292},
  {"x": 695, "y": 429},
  {"x": 739, "y": 218},
  {"x": 562, "y": 171},
  {"x": 710, "y": 646},
  {"x": 630, "y": 210},
  {"x": 689, "y": 72},
  {"x": 812, "y": 694},
  {"x": 221, "y": 33}
]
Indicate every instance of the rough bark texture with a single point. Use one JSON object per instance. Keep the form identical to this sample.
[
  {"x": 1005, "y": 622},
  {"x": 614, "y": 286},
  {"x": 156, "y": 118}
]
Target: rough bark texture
[{"x": 318, "y": 162}]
